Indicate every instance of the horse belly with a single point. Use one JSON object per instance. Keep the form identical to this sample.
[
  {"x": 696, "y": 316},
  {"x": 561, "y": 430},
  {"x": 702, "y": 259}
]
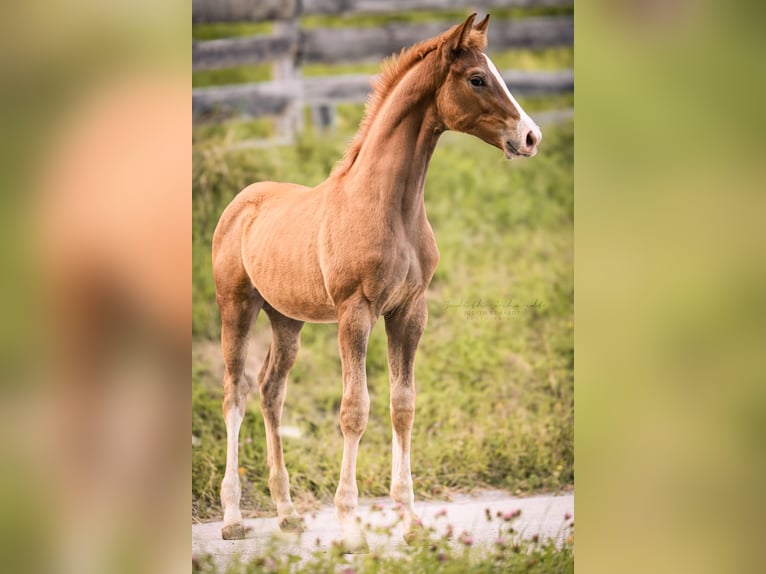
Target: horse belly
[
  {"x": 296, "y": 298},
  {"x": 283, "y": 266}
]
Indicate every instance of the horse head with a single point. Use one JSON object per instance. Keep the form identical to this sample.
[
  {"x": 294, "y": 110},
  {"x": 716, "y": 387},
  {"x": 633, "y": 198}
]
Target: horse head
[{"x": 475, "y": 99}]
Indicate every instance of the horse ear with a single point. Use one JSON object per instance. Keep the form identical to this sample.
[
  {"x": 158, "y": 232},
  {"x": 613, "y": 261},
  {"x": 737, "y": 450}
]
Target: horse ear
[
  {"x": 459, "y": 38},
  {"x": 482, "y": 26}
]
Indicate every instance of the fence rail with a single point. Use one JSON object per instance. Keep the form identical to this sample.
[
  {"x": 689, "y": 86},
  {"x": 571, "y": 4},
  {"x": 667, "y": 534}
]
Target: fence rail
[
  {"x": 274, "y": 98},
  {"x": 289, "y": 46},
  {"x": 331, "y": 46}
]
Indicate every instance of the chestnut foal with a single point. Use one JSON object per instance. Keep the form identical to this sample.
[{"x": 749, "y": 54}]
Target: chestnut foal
[{"x": 353, "y": 248}]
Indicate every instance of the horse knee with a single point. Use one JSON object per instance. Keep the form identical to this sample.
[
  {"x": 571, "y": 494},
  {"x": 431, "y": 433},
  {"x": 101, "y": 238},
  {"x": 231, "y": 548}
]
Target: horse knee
[
  {"x": 354, "y": 412},
  {"x": 402, "y": 407},
  {"x": 234, "y": 397}
]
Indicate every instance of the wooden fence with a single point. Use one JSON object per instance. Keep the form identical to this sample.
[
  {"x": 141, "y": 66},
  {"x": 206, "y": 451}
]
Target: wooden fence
[{"x": 289, "y": 46}]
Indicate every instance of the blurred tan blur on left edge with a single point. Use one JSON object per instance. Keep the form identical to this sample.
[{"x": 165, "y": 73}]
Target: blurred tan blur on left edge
[
  {"x": 100, "y": 238},
  {"x": 115, "y": 239}
]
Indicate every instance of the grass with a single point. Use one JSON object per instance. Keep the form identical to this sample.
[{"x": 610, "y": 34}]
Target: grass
[
  {"x": 233, "y": 75},
  {"x": 449, "y": 17},
  {"x": 495, "y": 366},
  {"x": 219, "y": 30}
]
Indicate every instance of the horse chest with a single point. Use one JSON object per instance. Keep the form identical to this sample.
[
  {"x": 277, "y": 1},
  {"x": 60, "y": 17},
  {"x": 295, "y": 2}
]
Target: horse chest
[{"x": 406, "y": 272}]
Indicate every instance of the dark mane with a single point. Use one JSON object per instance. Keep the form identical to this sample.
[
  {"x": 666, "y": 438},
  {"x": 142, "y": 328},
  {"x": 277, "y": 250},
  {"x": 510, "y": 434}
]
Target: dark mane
[{"x": 394, "y": 69}]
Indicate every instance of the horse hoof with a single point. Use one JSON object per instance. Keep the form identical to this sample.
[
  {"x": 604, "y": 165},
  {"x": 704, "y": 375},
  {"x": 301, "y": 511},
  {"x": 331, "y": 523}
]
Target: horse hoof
[
  {"x": 234, "y": 531},
  {"x": 291, "y": 524},
  {"x": 354, "y": 542},
  {"x": 355, "y": 546}
]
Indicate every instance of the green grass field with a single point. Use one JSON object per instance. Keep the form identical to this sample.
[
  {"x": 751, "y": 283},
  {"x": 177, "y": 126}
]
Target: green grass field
[{"x": 494, "y": 371}]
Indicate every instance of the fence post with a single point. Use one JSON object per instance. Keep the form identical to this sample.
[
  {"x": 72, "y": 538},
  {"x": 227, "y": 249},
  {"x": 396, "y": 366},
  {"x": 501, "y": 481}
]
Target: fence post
[
  {"x": 287, "y": 70},
  {"x": 324, "y": 117}
]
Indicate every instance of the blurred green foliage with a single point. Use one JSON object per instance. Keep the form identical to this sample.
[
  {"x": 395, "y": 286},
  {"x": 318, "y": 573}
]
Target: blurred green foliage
[
  {"x": 449, "y": 17},
  {"x": 219, "y": 30},
  {"x": 234, "y": 75}
]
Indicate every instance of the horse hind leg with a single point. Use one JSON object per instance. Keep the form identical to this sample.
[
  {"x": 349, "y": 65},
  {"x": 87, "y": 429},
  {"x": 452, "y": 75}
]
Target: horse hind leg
[
  {"x": 272, "y": 381},
  {"x": 238, "y": 307}
]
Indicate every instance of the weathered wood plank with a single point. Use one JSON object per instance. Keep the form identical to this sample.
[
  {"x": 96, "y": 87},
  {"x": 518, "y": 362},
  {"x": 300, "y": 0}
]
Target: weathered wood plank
[
  {"x": 240, "y": 51},
  {"x": 323, "y": 45},
  {"x": 525, "y": 83},
  {"x": 272, "y": 98},
  {"x": 250, "y": 100}
]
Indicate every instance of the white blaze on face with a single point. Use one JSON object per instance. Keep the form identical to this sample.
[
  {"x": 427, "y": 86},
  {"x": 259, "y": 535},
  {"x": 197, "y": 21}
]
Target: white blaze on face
[{"x": 526, "y": 124}]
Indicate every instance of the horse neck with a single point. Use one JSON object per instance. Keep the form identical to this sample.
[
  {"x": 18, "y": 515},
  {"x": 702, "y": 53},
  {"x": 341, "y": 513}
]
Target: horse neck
[{"x": 390, "y": 170}]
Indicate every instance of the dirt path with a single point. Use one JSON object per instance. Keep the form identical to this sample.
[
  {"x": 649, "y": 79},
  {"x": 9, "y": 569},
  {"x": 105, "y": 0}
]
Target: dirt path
[{"x": 542, "y": 515}]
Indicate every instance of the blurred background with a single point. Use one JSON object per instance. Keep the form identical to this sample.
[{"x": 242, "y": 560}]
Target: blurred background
[
  {"x": 670, "y": 268},
  {"x": 669, "y": 278}
]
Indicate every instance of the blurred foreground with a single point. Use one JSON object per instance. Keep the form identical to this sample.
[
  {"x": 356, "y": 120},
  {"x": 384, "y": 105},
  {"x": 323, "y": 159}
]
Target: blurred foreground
[
  {"x": 96, "y": 296},
  {"x": 491, "y": 524}
]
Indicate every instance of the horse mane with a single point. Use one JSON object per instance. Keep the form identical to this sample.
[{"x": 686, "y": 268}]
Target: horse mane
[{"x": 394, "y": 69}]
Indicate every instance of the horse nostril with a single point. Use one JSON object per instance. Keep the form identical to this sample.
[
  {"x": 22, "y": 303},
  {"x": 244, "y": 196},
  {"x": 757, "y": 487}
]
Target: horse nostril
[{"x": 531, "y": 139}]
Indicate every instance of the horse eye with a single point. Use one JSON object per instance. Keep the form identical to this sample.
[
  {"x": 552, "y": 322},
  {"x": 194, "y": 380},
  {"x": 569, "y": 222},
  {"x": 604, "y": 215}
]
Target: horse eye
[{"x": 477, "y": 81}]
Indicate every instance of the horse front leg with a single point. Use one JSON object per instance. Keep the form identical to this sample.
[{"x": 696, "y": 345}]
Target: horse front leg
[
  {"x": 404, "y": 329},
  {"x": 354, "y": 325}
]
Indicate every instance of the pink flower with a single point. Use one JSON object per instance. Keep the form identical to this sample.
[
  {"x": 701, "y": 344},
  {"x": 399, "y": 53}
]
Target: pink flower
[
  {"x": 466, "y": 539},
  {"x": 511, "y": 514},
  {"x": 567, "y": 516}
]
